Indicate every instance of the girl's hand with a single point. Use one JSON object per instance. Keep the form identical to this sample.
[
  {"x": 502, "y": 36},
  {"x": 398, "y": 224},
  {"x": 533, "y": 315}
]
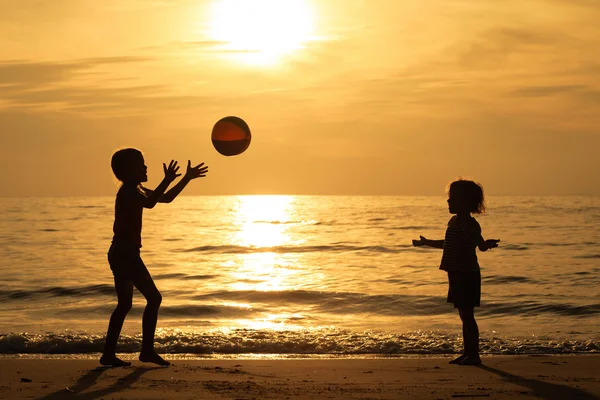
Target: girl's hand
[
  {"x": 199, "y": 171},
  {"x": 491, "y": 243},
  {"x": 171, "y": 171},
  {"x": 420, "y": 242}
]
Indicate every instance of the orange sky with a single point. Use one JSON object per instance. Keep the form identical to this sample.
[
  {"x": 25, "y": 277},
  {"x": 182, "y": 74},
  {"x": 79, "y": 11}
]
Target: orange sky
[{"x": 342, "y": 96}]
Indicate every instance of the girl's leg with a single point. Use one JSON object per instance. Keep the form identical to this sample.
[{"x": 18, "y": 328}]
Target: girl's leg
[
  {"x": 124, "y": 290},
  {"x": 464, "y": 332},
  {"x": 149, "y": 320},
  {"x": 458, "y": 359},
  {"x": 471, "y": 337}
]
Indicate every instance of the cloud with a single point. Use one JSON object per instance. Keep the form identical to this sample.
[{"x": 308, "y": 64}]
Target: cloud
[
  {"x": 592, "y": 96},
  {"x": 186, "y": 45},
  {"x": 136, "y": 5},
  {"x": 543, "y": 91},
  {"x": 40, "y": 85},
  {"x": 493, "y": 48},
  {"x": 490, "y": 74},
  {"x": 109, "y": 86},
  {"x": 589, "y": 5},
  {"x": 34, "y": 74},
  {"x": 577, "y": 97},
  {"x": 122, "y": 101}
]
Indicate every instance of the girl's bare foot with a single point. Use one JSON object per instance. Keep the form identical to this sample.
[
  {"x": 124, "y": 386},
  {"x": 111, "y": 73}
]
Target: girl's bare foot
[
  {"x": 113, "y": 361},
  {"x": 457, "y": 360},
  {"x": 471, "y": 360},
  {"x": 151, "y": 356}
]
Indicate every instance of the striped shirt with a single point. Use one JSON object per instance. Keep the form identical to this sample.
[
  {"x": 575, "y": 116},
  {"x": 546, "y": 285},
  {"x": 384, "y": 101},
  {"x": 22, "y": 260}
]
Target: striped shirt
[{"x": 459, "y": 246}]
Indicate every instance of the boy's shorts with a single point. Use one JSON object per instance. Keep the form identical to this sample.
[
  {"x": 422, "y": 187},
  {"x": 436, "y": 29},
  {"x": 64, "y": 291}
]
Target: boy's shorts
[{"x": 125, "y": 263}]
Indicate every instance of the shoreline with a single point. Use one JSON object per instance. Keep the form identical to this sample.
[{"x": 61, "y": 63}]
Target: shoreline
[
  {"x": 275, "y": 356},
  {"x": 501, "y": 377}
]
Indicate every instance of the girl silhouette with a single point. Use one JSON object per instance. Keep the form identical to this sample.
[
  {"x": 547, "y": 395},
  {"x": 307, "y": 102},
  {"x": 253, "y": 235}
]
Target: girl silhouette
[{"x": 459, "y": 259}]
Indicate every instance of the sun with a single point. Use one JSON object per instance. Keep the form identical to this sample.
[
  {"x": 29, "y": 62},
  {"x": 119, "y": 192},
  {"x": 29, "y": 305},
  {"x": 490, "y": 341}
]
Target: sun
[{"x": 261, "y": 31}]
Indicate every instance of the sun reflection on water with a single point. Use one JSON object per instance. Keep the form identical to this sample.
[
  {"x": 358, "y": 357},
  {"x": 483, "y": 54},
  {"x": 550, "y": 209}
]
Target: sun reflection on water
[
  {"x": 264, "y": 225},
  {"x": 263, "y": 220},
  {"x": 264, "y": 272}
]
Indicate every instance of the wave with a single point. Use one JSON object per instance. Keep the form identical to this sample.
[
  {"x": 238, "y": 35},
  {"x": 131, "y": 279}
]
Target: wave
[
  {"x": 217, "y": 304},
  {"x": 334, "y": 302},
  {"x": 393, "y": 304},
  {"x": 193, "y": 312},
  {"x": 588, "y": 256},
  {"x": 552, "y": 244},
  {"x": 90, "y": 292},
  {"x": 57, "y": 291},
  {"x": 495, "y": 279},
  {"x": 336, "y": 248},
  {"x": 536, "y": 308},
  {"x": 288, "y": 222},
  {"x": 184, "y": 276},
  {"x": 541, "y": 209},
  {"x": 513, "y": 247},
  {"x": 409, "y": 227},
  {"x": 316, "y": 341}
]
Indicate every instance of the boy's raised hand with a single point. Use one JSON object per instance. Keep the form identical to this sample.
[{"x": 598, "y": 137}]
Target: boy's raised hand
[
  {"x": 420, "y": 242},
  {"x": 171, "y": 171},
  {"x": 199, "y": 171}
]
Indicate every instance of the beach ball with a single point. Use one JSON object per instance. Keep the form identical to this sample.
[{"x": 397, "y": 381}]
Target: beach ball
[{"x": 231, "y": 136}]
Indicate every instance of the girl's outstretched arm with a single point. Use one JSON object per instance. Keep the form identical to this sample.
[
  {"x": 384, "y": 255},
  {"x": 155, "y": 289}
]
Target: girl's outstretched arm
[
  {"x": 482, "y": 244},
  {"x": 438, "y": 244},
  {"x": 485, "y": 245}
]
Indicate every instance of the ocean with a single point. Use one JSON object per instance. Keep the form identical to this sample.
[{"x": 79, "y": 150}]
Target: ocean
[{"x": 301, "y": 276}]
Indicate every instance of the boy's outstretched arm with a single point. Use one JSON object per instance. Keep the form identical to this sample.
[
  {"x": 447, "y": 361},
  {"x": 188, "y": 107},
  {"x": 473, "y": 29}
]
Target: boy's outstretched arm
[
  {"x": 438, "y": 244},
  {"x": 154, "y": 196},
  {"x": 199, "y": 171}
]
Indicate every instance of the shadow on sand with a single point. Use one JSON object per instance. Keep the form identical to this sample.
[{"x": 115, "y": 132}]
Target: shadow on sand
[
  {"x": 544, "y": 390},
  {"x": 90, "y": 378}
]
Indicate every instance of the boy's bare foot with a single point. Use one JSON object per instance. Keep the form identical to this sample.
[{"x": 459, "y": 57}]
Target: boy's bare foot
[
  {"x": 151, "y": 356},
  {"x": 470, "y": 360},
  {"x": 113, "y": 361},
  {"x": 457, "y": 360}
]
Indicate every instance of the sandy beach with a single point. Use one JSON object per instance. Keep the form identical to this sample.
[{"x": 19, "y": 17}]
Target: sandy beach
[{"x": 501, "y": 377}]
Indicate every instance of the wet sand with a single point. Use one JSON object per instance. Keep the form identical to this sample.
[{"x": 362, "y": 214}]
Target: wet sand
[{"x": 501, "y": 377}]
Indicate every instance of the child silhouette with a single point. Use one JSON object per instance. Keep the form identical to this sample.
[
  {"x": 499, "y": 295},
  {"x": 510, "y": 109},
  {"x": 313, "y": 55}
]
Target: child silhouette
[
  {"x": 459, "y": 259},
  {"x": 124, "y": 253}
]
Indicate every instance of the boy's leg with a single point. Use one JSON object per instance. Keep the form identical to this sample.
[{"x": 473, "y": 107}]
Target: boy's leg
[
  {"x": 153, "y": 298},
  {"x": 124, "y": 289}
]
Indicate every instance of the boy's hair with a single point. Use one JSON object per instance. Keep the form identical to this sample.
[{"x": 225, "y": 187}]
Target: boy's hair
[
  {"x": 472, "y": 192},
  {"x": 121, "y": 162}
]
